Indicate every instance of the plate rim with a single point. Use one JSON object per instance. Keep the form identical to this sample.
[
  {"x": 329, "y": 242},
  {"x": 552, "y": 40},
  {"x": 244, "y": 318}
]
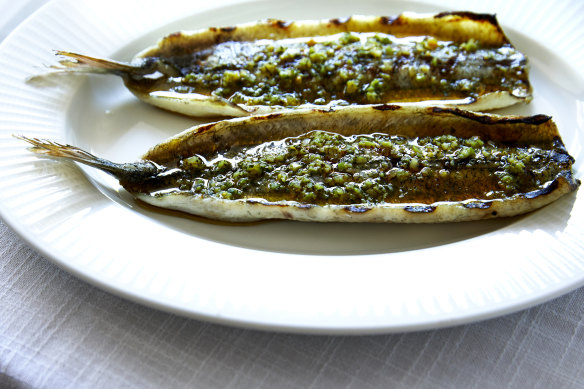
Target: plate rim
[{"x": 494, "y": 311}]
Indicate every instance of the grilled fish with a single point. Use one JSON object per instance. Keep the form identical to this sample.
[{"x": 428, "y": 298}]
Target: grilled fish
[
  {"x": 374, "y": 163},
  {"x": 273, "y": 65}
]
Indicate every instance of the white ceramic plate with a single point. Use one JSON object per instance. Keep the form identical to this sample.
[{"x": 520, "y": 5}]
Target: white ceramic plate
[{"x": 289, "y": 276}]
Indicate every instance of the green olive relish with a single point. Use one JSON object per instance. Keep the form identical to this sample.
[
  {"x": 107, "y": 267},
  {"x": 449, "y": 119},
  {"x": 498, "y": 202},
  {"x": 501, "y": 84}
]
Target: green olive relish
[
  {"x": 349, "y": 68},
  {"x": 326, "y": 168}
]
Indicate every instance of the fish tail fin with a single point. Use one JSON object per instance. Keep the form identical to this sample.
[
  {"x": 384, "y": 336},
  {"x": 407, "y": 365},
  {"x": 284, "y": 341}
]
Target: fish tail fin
[
  {"x": 133, "y": 176},
  {"x": 126, "y": 173},
  {"x": 53, "y": 149},
  {"x": 81, "y": 62}
]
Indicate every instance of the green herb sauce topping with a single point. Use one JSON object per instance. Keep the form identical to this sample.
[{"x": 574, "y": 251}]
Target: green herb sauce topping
[
  {"x": 326, "y": 168},
  {"x": 350, "y": 68}
]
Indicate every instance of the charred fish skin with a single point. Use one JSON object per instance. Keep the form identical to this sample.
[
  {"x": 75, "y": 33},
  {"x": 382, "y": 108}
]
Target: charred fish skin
[
  {"x": 385, "y": 163},
  {"x": 273, "y": 65}
]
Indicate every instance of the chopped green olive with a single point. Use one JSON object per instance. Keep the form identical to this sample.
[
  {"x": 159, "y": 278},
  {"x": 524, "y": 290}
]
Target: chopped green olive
[
  {"x": 193, "y": 163},
  {"x": 222, "y": 165}
]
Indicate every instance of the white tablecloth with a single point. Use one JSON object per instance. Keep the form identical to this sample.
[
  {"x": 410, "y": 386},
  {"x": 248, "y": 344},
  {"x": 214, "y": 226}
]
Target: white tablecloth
[{"x": 57, "y": 331}]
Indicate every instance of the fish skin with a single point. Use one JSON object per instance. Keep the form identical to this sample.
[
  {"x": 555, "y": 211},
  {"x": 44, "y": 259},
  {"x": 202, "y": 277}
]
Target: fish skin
[
  {"x": 405, "y": 120},
  {"x": 452, "y": 26}
]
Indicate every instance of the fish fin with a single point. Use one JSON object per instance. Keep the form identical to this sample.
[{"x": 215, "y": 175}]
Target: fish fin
[
  {"x": 81, "y": 62},
  {"x": 53, "y": 149},
  {"x": 127, "y": 173}
]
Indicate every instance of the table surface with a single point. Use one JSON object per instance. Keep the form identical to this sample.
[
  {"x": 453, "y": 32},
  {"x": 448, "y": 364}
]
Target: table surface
[{"x": 57, "y": 331}]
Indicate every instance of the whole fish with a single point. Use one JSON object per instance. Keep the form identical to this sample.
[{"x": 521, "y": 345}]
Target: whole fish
[
  {"x": 374, "y": 163},
  {"x": 272, "y": 65}
]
